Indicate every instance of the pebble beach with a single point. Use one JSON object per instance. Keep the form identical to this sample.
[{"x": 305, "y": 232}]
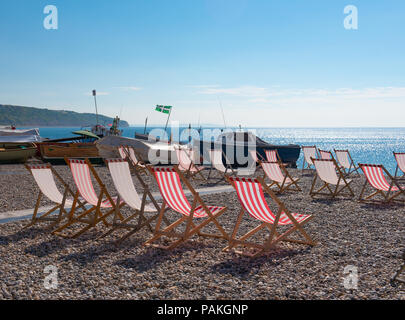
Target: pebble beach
[{"x": 348, "y": 233}]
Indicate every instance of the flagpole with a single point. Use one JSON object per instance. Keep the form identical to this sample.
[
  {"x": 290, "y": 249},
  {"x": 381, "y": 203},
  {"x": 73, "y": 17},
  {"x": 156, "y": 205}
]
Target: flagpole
[{"x": 167, "y": 121}]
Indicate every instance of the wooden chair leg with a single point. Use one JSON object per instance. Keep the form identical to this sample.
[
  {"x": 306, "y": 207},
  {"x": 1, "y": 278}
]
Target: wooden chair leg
[{"x": 235, "y": 230}]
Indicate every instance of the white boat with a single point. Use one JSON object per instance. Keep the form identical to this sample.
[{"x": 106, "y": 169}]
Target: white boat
[
  {"x": 9, "y": 131},
  {"x": 16, "y": 152},
  {"x": 17, "y": 145},
  {"x": 165, "y": 152}
]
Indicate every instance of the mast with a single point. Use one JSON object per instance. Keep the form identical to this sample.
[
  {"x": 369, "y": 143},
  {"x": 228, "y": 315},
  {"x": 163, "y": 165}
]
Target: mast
[
  {"x": 222, "y": 110},
  {"x": 146, "y": 123},
  {"x": 95, "y": 103}
]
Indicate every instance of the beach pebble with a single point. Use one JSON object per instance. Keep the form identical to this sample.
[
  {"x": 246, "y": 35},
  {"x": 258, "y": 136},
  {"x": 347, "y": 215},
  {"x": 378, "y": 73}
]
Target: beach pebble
[{"x": 348, "y": 233}]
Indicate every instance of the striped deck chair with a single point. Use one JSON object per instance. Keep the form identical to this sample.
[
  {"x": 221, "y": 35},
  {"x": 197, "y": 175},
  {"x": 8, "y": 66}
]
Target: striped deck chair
[
  {"x": 279, "y": 176},
  {"x": 346, "y": 162},
  {"x": 169, "y": 181},
  {"x": 257, "y": 158},
  {"x": 129, "y": 153},
  {"x": 323, "y": 154},
  {"x": 375, "y": 177},
  {"x": 400, "y": 159},
  {"x": 187, "y": 165},
  {"x": 243, "y": 171},
  {"x": 218, "y": 165},
  {"x": 122, "y": 150},
  {"x": 251, "y": 196},
  {"x": 254, "y": 156},
  {"x": 309, "y": 153},
  {"x": 43, "y": 175},
  {"x": 272, "y": 156},
  {"x": 217, "y": 155},
  {"x": 121, "y": 176},
  {"x": 82, "y": 171},
  {"x": 332, "y": 178}
]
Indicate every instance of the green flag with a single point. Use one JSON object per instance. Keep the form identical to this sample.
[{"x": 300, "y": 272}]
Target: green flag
[{"x": 164, "y": 109}]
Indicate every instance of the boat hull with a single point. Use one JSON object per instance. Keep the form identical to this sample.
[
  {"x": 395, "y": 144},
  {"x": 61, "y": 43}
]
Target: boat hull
[
  {"x": 289, "y": 154},
  {"x": 56, "y": 152},
  {"x": 14, "y": 153},
  {"x": 165, "y": 152}
]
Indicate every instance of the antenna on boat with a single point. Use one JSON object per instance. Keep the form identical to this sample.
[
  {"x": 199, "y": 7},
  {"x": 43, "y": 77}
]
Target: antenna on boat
[
  {"x": 199, "y": 125},
  {"x": 222, "y": 110},
  {"x": 146, "y": 123},
  {"x": 95, "y": 103}
]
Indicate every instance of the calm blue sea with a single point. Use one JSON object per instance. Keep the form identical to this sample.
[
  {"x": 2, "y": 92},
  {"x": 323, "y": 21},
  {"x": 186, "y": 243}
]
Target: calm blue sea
[{"x": 368, "y": 145}]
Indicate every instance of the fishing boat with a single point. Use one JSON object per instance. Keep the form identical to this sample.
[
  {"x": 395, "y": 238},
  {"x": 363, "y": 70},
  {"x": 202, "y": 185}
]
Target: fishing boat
[
  {"x": 80, "y": 146},
  {"x": 165, "y": 151},
  {"x": 16, "y": 152},
  {"x": 17, "y": 145},
  {"x": 236, "y": 143}
]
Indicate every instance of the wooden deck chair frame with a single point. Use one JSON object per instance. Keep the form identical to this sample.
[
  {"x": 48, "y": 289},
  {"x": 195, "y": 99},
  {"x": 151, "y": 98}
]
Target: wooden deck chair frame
[
  {"x": 274, "y": 237},
  {"x": 400, "y": 165},
  {"x": 398, "y": 275},
  {"x": 46, "y": 217},
  {"x": 284, "y": 185},
  {"x": 334, "y": 191},
  {"x": 394, "y": 189},
  {"x": 257, "y": 158},
  {"x": 352, "y": 167},
  {"x": 191, "y": 228},
  {"x": 227, "y": 166},
  {"x": 257, "y": 155},
  {"x": 140, "y": 165},
  {"x": 92, "y": 216},
  {"x": 306, "y": 165},
  {"x": 139, "y": 214},
  {"x": 188, "y": 171}
]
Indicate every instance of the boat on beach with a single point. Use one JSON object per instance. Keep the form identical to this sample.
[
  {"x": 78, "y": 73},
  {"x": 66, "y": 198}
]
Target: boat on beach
[
  {"x": 165, "y": 151},
  {"x": 16, "y": 152},
  {"x": 236, "y": 143},
  {"x": 80, "y": 146},
  {"x": 18, "y": 146}
]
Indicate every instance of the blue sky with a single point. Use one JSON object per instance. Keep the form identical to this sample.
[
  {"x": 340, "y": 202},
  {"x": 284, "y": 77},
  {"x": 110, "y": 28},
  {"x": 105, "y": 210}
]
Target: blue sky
[{"x": 270, "y": 63}]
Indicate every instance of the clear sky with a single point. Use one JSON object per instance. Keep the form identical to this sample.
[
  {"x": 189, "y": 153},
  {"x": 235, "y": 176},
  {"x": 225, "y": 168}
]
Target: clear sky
[{"x": 270, "y": 62}]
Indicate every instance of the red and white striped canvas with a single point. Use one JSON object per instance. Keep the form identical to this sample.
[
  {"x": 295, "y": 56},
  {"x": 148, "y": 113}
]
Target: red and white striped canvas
[
  {"x": 271, "y": 155},
  {"x": 254, "y": 155},
  {"x": 81, "y": 176},
  {"x": 400, "y": 158},
  {"x": 375, "y": 176},
  {"x": 250, "y": 194},
  {"x": 173, "y": 194},
  {"x": 273, "y": 171}
]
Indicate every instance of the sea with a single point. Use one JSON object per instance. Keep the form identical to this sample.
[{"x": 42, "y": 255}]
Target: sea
[{"x": 366, "y": 145}]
